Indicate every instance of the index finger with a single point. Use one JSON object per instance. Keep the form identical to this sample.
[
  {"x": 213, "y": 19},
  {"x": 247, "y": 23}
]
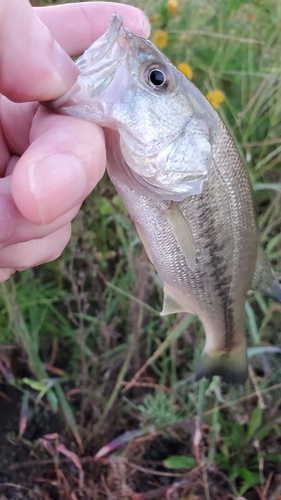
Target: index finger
[{"x": 76, "y": 26}]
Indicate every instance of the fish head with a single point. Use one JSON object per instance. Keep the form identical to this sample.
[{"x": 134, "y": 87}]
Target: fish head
[{"x": 164, "y": 123}]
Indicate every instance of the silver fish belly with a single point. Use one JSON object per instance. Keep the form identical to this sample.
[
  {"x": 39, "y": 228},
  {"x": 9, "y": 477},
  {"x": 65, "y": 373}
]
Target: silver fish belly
[{"x": 180, "y": 176}]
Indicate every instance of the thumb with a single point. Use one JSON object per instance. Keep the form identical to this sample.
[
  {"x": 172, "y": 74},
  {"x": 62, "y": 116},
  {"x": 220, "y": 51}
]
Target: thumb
[{"x": 33, "y": 67}]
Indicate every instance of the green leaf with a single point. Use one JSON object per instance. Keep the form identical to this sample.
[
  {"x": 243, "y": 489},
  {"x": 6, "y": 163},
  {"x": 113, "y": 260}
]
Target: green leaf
[
  {"x": 266, "y": 430},
  {"x": 272, "y": 457},
  {"x": 180, "y": 462},
  {"x": 68, "y": 414},
  {"x": 272, "y": 244},
  {"x": 255, "y": 422},
  {"x": 263, "y": 349},
  {"x": 252, "y": 322},
  {"x": 106, "y": 207},
  {"x": 251, "y": 478},
  {"x": 35, "y": 384},
  {"x": 118, "y": 203},
  {"x": 259, "y": 186}
]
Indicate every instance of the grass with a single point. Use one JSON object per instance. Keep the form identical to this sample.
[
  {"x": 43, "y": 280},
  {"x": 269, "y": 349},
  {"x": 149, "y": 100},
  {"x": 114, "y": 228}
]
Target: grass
[{"x": 82, "y": 337}]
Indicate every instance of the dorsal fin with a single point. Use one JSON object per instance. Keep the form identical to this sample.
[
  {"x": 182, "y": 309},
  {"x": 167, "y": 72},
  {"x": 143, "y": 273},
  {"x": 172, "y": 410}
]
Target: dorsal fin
[{"x": 265, "y": 279}]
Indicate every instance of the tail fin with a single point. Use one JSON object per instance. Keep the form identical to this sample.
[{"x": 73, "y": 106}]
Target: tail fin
[{"x": 231, "y": 365}]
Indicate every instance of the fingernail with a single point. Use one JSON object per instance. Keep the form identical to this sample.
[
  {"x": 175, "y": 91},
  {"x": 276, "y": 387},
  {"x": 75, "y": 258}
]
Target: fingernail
[
  {"x": 57, "y": 183},
  {"x": 68, "y": 71}
]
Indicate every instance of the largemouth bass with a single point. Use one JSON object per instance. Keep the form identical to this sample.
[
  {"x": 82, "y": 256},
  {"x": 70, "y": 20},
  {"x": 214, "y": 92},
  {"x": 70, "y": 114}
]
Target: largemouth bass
[{"x": 178, "y": 172}]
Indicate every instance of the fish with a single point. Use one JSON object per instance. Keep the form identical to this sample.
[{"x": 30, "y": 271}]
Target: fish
[{"x": 180, "y": 176}]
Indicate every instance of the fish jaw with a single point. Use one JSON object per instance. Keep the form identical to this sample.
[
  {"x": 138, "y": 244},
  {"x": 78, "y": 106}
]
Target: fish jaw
[{"x": 97, "y": 66}]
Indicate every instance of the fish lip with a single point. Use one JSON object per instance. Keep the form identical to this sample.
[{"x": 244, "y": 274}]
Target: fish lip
[
  {"x": 100, "y": 61},
  {"x": 101, "y": 48}
]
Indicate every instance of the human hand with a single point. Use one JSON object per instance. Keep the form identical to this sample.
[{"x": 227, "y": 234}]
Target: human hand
[{"x": 48, "y": 163}]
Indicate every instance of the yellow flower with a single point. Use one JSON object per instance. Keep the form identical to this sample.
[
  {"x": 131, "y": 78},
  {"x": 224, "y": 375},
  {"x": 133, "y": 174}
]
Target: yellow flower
[
  {"x": 186, "y": 70},
  {"x": 172, "y": 7},
  {"x": 215, "y": 97},
  {"x": 160, "y": 39}
]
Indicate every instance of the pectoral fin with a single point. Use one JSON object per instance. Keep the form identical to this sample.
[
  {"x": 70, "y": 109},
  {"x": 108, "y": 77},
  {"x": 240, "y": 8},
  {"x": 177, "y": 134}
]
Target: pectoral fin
[
  {"x": 182, "y": 233},
  {"x": 265, "y": 279}
]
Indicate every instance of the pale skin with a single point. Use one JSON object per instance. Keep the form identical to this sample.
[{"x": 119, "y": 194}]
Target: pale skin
[{"x": 48, "y": 163}]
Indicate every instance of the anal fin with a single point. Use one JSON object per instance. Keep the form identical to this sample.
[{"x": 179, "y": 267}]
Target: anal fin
[{"x": 171, "y": 305}]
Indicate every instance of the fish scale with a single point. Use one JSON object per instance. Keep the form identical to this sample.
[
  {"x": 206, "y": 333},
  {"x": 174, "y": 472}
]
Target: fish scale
[
  {"x": 180, "y": 176},
  {"x": 215, "y": 290}
]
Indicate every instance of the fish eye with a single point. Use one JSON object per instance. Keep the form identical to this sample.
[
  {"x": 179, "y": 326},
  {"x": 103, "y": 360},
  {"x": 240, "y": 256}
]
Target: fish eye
[{"x": 156, "y": 77}]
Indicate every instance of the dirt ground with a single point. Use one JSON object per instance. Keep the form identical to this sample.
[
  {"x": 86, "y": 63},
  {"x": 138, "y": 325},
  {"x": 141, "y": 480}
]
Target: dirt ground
[{"x": 29, "y": 471}]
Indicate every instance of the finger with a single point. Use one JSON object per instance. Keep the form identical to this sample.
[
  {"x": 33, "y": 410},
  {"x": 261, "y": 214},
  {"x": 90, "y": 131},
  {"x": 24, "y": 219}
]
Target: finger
[
  {"x": 11, "y": 165},
  {"x": 76, "y": 26},
  {"x": 32, "y": 64},
  {"x": 16, "y": 121},
  {"x": 38, "y": 68},
  {"x": 14, "y": 228},
  {"x": 6, "y": 273},
  {"x": 63, "y": 164},
  {"x": 34, "y": 252}
]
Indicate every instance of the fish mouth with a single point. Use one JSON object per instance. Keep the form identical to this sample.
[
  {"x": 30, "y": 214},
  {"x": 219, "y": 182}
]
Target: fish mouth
[
  {"x": 103, "y": 50},
  {"x": 97, "y": 65}
]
